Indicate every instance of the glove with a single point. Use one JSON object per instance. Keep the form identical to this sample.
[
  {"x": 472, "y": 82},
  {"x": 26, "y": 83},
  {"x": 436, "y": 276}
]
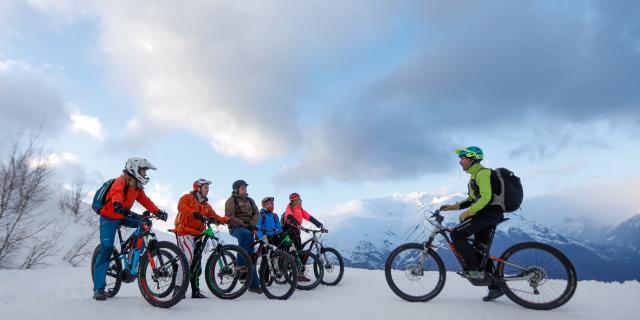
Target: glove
[
  {"x": 162, "y": 215},
  {"x": 118, "y": 208},
  {"x": 450, "y": 207},
  {"x": 465, "y": 215},
  {"x": 198, "y": 216}
]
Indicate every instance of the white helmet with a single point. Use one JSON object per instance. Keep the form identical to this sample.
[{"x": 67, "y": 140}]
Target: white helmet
[{"x": 134, "y": 165}]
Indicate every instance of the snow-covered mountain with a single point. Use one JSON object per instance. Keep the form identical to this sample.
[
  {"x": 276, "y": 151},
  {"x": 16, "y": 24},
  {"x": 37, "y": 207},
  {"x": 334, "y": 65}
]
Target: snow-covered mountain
[
  {"x": 376, "y": 226},
  {"x": 626, "y": 235}
]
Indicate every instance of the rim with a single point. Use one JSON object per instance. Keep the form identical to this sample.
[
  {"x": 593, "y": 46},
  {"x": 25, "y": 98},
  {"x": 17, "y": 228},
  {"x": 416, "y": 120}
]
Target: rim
[
  {"x": 412, "y": 277},
  {"x": 540, "y": 277}
]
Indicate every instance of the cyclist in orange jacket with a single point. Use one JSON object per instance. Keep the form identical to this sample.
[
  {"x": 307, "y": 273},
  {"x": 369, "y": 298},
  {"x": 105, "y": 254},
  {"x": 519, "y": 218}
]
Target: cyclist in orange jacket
[{"x": 192, "y": 207}]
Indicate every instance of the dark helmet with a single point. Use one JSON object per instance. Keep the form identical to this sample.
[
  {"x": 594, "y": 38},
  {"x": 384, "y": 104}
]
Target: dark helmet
[
  {"x": 236, "y": 185},
  {"x": 294, "y": 196}
]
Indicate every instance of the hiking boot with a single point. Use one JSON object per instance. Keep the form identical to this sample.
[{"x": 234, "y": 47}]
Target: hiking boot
[
  {"x": 99, "y": 295},
  {"x": 257, "y": 290},
  {"x": 493, "y": 294},
  {"x": 197, "y": 295},
  {"x": 303, "y": 278}
]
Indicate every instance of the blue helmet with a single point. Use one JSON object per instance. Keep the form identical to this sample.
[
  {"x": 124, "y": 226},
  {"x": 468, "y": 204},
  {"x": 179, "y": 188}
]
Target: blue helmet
[{"x": 471, "y": 152}]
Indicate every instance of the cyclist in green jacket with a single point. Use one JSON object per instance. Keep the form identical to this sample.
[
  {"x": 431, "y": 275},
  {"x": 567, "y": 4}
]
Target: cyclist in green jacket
[{"x": 480, "y": 217}]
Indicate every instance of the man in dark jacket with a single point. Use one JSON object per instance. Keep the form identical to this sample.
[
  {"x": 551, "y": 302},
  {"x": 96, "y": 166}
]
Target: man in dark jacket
[{"x": 246, "y": 214}]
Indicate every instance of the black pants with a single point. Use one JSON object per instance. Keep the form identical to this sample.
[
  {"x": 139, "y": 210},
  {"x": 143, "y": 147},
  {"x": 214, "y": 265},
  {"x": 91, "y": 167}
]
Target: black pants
[
  {"x": 481, "y": 225},
  {"x": 294, "y": 235},
  {"x": 196, "y": 266}
]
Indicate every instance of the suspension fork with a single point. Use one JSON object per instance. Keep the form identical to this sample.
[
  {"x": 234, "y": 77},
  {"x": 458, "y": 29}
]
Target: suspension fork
[
  {"x": 270, "y": 264},
  {"x": 321, "y": 255}
]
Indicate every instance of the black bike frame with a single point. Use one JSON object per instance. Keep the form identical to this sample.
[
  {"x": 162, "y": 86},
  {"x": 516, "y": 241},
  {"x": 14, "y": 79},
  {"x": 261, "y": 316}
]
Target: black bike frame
[{"x": 444, "y": 231}]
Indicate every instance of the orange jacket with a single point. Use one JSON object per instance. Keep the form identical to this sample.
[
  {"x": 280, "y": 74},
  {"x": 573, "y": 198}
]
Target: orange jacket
[
  {"x": 185, "y": 223},
  {"x": 116, "y": 194}
]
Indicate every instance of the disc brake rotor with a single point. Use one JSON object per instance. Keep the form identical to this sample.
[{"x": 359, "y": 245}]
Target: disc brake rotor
[{"x": 536, "y": 277}]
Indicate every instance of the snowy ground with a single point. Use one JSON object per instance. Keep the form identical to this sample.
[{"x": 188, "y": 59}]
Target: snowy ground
[{"x": 65, "y": 293}]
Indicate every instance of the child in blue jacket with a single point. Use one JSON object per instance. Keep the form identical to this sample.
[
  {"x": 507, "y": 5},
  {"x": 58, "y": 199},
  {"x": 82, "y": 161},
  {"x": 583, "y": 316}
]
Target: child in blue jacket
[{"x": 268, "y": 219}]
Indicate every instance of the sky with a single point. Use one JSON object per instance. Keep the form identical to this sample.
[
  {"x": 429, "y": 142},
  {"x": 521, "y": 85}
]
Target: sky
[{"x": 335, "y": 101}]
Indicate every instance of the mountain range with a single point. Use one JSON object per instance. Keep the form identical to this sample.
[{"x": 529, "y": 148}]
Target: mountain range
[{"x": 374, "y": 227}]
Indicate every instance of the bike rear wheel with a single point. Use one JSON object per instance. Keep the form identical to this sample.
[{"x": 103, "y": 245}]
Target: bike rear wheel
[
  {"x": 112, "y": 281},
  {"x": 282, "y": 283},
  {"x": 223, "y": 275},
  {"x": 536, "y": 276},
  {"x": 163, "y": 274},
  {"x": 333, "y": 266},
  {"x": 415, "y": 274}
]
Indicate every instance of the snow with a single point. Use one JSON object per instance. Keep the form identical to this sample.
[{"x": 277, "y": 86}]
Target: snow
[{"x": 65, "y": 293}]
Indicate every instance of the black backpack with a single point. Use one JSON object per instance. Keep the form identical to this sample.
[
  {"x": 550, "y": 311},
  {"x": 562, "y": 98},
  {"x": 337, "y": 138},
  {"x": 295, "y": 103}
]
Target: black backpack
[{"x": 510, "y": 197}]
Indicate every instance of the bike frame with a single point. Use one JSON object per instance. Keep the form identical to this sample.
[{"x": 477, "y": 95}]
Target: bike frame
[
  {"x": 207, "y": 235},
  {"x": 440, "y": 229},
  {"x": 314, "y": 242},
  {"x": 265, "y": 249},
  {"x": 130, "y": 252}
]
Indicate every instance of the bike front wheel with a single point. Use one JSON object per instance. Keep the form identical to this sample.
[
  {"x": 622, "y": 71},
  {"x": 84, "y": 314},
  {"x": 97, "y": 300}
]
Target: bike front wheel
[
  {"x": 536, "y": 276},
  {"x": 333, "y": 266},
  {"x": 278, "y": 275},
  {"x": 310, "y": 270},
  {"x": 415, "y": 274},
  {"x": 163, "y": 274},
  {"x": 229, "y": 272}
]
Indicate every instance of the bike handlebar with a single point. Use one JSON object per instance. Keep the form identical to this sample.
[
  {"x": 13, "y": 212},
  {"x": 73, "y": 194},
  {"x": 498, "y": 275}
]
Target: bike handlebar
[{"x": 323, "y": 230}]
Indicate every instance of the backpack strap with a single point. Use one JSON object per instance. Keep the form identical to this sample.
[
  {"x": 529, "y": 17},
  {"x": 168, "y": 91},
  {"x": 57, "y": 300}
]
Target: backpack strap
[
  {"x": 498, "y": 199},
  {"x": 275, "y": 220}
]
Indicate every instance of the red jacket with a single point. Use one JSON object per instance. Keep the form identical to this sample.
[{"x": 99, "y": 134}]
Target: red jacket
[
  {"x": 186, "y": 224},
  {"x": 298, "y": 213},
  {"x": 116, "y": 194}
]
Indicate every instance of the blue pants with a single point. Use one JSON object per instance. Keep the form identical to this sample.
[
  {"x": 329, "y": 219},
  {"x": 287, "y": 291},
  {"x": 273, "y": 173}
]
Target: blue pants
[
  {"x": 245, "y": 238},
  {"x": 108, "y": 229}
]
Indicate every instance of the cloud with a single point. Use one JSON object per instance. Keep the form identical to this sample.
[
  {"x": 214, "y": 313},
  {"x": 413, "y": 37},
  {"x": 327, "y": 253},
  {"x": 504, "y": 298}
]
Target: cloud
[
  {"x": 233, "y": 73},
  {"x": 87, "y": 124},
  {"x": 502, "y": 70},
  {"x": 54, "y": 160},
  {"x": 239, "y": 75},
  {"x": 29, "y": 101}
]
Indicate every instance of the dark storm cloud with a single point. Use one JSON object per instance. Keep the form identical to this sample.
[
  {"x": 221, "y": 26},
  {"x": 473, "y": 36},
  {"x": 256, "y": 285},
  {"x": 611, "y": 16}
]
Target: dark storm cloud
[{"x": 483, "y": 67}]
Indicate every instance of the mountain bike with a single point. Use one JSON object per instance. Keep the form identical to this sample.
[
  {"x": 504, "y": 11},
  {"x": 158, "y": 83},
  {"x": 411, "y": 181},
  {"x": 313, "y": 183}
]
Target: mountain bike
[
  {"x": 278, "y": 271},
  {"x": 330, "y": 258},
  {"x": 228, "y": 271},
  {"x": 310, "y": 268},
  {"x": 159, "y": 266},
  {"x": 532, "y": 274}
]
